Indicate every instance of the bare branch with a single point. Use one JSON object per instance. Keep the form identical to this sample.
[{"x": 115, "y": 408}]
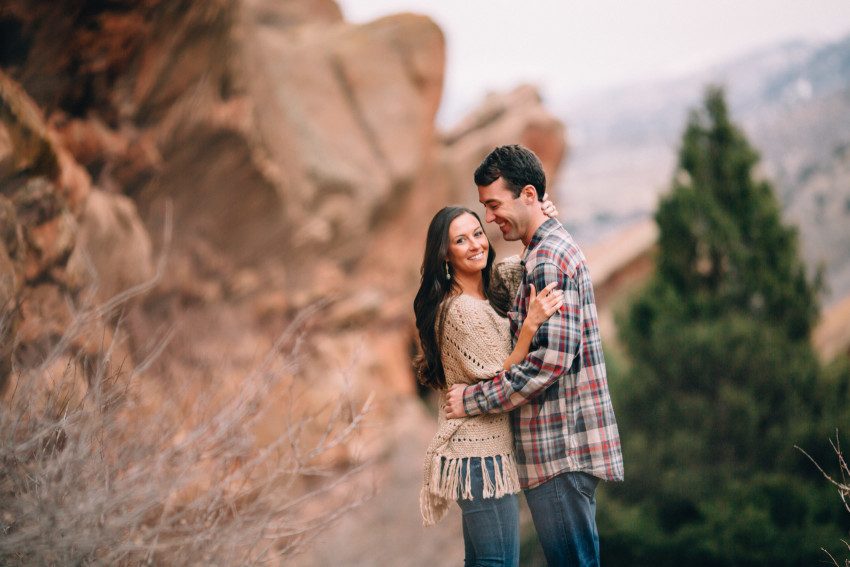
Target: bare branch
[
  {"x": 91, "y": 476},
  {"x": 843, "y": 486}
]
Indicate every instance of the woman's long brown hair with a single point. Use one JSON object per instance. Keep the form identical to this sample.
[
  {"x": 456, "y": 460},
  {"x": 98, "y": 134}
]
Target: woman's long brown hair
[{"x": 434, "y": 289}]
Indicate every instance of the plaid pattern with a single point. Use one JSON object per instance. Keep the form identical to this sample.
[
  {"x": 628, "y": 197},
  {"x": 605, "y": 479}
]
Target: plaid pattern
[{"x": 564, "y": 420}]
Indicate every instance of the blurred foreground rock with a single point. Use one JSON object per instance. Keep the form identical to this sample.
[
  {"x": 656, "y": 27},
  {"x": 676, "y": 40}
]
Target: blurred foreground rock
[
  {"x": 55, "y": 238},
  {"x": 280, "y": 160}
]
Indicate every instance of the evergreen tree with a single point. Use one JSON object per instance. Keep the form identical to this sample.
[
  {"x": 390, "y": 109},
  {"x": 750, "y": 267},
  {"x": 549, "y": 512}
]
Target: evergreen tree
[
  {"x": 723, "y": 379},
  {"x": 722, "y": 243}
]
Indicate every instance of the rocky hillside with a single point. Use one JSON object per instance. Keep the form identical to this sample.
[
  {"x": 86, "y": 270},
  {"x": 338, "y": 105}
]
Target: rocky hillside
[
  {"x": 232, "y": 163},
  {"x": 295, "y": 155}
]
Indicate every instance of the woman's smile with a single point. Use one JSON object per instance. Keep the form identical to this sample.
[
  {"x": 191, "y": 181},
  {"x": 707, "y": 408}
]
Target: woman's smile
[{"x": 468, "y": 245}]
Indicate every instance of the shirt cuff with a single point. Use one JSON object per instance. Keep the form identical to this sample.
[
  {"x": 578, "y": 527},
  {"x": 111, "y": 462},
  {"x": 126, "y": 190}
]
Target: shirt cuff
[
  {"x": 475, "y": 400},
  {"x": 470, "y": 399}
]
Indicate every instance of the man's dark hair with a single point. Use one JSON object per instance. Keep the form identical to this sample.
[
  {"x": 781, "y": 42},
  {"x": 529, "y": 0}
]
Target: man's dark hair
[{"x": 517, "y": 165}]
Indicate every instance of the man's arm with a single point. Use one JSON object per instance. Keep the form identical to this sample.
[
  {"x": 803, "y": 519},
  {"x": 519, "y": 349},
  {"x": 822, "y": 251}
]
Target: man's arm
[
  {"x": 552, "y": 352},
  {"x": 541, "y": 307}
]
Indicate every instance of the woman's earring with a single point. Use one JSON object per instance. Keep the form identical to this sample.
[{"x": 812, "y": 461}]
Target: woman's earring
[{"x": 448, "y": 275}]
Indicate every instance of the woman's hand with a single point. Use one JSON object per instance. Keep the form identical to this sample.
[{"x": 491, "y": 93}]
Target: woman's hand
[
  {"x": 548, "y": 207},
  {"x": 541, "y": 306}
]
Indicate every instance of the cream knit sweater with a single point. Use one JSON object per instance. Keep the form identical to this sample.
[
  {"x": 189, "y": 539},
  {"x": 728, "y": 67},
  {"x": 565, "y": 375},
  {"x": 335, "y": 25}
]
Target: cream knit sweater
[{"x": 476, "y": 342}]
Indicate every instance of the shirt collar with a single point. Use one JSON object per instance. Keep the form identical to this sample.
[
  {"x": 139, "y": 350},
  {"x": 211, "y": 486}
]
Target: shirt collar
[{"x": 542, "y": 232}]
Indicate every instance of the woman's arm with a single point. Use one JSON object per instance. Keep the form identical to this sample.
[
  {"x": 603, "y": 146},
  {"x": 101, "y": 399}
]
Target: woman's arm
[
  {"x": 537, "y": 317},
  {"x": 540, "y": 308}
]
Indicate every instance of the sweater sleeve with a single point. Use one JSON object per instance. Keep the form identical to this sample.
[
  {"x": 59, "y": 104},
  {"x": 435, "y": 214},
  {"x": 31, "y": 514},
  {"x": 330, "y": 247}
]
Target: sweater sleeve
[
  {"x": 551, "y": 355},
  {"x": 472, "y": 349}
]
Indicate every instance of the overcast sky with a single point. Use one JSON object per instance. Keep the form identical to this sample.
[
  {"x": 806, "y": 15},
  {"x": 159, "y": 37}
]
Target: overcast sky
[{"x": 570, "y": 47}]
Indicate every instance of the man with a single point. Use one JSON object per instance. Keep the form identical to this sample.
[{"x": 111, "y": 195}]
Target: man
[{"x": 565, "y": 432}]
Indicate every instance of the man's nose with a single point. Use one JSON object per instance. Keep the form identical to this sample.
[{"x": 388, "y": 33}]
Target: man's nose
[{"x": 489, "y": 216}]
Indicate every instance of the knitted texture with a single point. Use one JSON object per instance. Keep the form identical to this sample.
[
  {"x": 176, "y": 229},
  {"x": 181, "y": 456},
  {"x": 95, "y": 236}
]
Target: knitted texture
[{"x": 475, "y": 344}]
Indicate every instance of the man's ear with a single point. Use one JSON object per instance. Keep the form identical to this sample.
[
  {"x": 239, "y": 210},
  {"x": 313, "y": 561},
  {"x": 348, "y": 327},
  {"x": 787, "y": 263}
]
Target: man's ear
[{"x": 529, "y": 194}]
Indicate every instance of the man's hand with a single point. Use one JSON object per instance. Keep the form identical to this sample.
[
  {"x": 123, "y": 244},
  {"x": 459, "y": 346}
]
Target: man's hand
[{"x": 454, "y": 402}]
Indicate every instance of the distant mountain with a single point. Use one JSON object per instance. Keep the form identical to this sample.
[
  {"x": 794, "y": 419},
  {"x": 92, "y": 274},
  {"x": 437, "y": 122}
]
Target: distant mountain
[{"x": 793, "y": 101}]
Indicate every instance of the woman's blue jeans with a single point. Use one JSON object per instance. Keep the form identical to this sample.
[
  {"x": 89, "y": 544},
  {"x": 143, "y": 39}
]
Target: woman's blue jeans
[
  {"x": 564, "y": 512},
  {"x": 490, "y": 525}
]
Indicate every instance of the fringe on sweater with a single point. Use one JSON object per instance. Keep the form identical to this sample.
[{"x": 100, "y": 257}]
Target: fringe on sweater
[{"x": 447, "y": 483}]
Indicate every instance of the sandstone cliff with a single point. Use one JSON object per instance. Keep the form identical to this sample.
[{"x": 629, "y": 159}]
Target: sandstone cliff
[
  {"x": 231, "y": 163},
  {"x": 287, "y": 143}
]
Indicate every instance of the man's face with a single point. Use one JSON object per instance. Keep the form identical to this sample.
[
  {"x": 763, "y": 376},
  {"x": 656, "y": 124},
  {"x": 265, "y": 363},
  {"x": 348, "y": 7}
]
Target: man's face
[{"x": 509, "y": 214}]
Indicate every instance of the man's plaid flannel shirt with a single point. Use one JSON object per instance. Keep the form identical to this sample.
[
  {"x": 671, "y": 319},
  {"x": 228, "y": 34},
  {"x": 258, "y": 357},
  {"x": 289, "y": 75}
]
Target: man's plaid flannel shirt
[{"x": 563, "y": 419}]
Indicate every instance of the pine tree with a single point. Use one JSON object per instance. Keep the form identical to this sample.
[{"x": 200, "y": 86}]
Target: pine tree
[
  {"x": 722, "y": 243},
  {"x": 723, "y": 379}
]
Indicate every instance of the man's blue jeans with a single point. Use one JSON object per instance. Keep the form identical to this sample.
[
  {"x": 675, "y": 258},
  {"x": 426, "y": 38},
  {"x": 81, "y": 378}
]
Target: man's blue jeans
[
  {"x": 564, "y": 512},
  {"x": 490, "y": 525}
]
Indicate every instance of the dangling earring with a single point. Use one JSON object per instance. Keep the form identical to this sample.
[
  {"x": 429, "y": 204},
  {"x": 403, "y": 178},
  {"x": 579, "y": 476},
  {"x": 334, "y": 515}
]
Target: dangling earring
[{"x": 448, "y": 275}]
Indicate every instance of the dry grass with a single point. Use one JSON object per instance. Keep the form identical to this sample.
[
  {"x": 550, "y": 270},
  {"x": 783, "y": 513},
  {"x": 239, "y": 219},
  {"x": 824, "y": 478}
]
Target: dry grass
[{"x": 94, "y": 471}]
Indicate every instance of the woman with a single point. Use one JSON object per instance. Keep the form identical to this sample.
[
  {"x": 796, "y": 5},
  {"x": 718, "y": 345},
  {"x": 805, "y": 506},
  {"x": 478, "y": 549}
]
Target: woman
[{"x": 461, "y": 312}]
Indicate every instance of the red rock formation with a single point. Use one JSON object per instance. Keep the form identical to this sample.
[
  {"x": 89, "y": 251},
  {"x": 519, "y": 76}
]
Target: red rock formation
[
  {"x": 56, "y": 232},
  {"x": 516, "y": 117},
  {"x": 620, "y": 265},
  {"x": 295, "y": 154},
  {"x": 831, "y": 337}
]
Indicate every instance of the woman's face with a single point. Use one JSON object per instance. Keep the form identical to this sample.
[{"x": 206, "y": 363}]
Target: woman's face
[{"x": 468, "y": 245}]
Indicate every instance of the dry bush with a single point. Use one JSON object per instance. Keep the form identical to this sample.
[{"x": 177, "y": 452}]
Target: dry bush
[
  {"x": 94, "y": 471},
  {"x": 842, "y": 485}
]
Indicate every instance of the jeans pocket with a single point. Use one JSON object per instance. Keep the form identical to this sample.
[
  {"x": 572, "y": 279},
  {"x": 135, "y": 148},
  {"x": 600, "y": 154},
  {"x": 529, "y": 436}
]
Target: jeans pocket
[{"x": 585, "y": 483}]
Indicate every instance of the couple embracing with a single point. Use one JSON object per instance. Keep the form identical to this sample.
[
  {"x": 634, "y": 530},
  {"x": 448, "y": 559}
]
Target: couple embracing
[{"x": 514, "y": 348}]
